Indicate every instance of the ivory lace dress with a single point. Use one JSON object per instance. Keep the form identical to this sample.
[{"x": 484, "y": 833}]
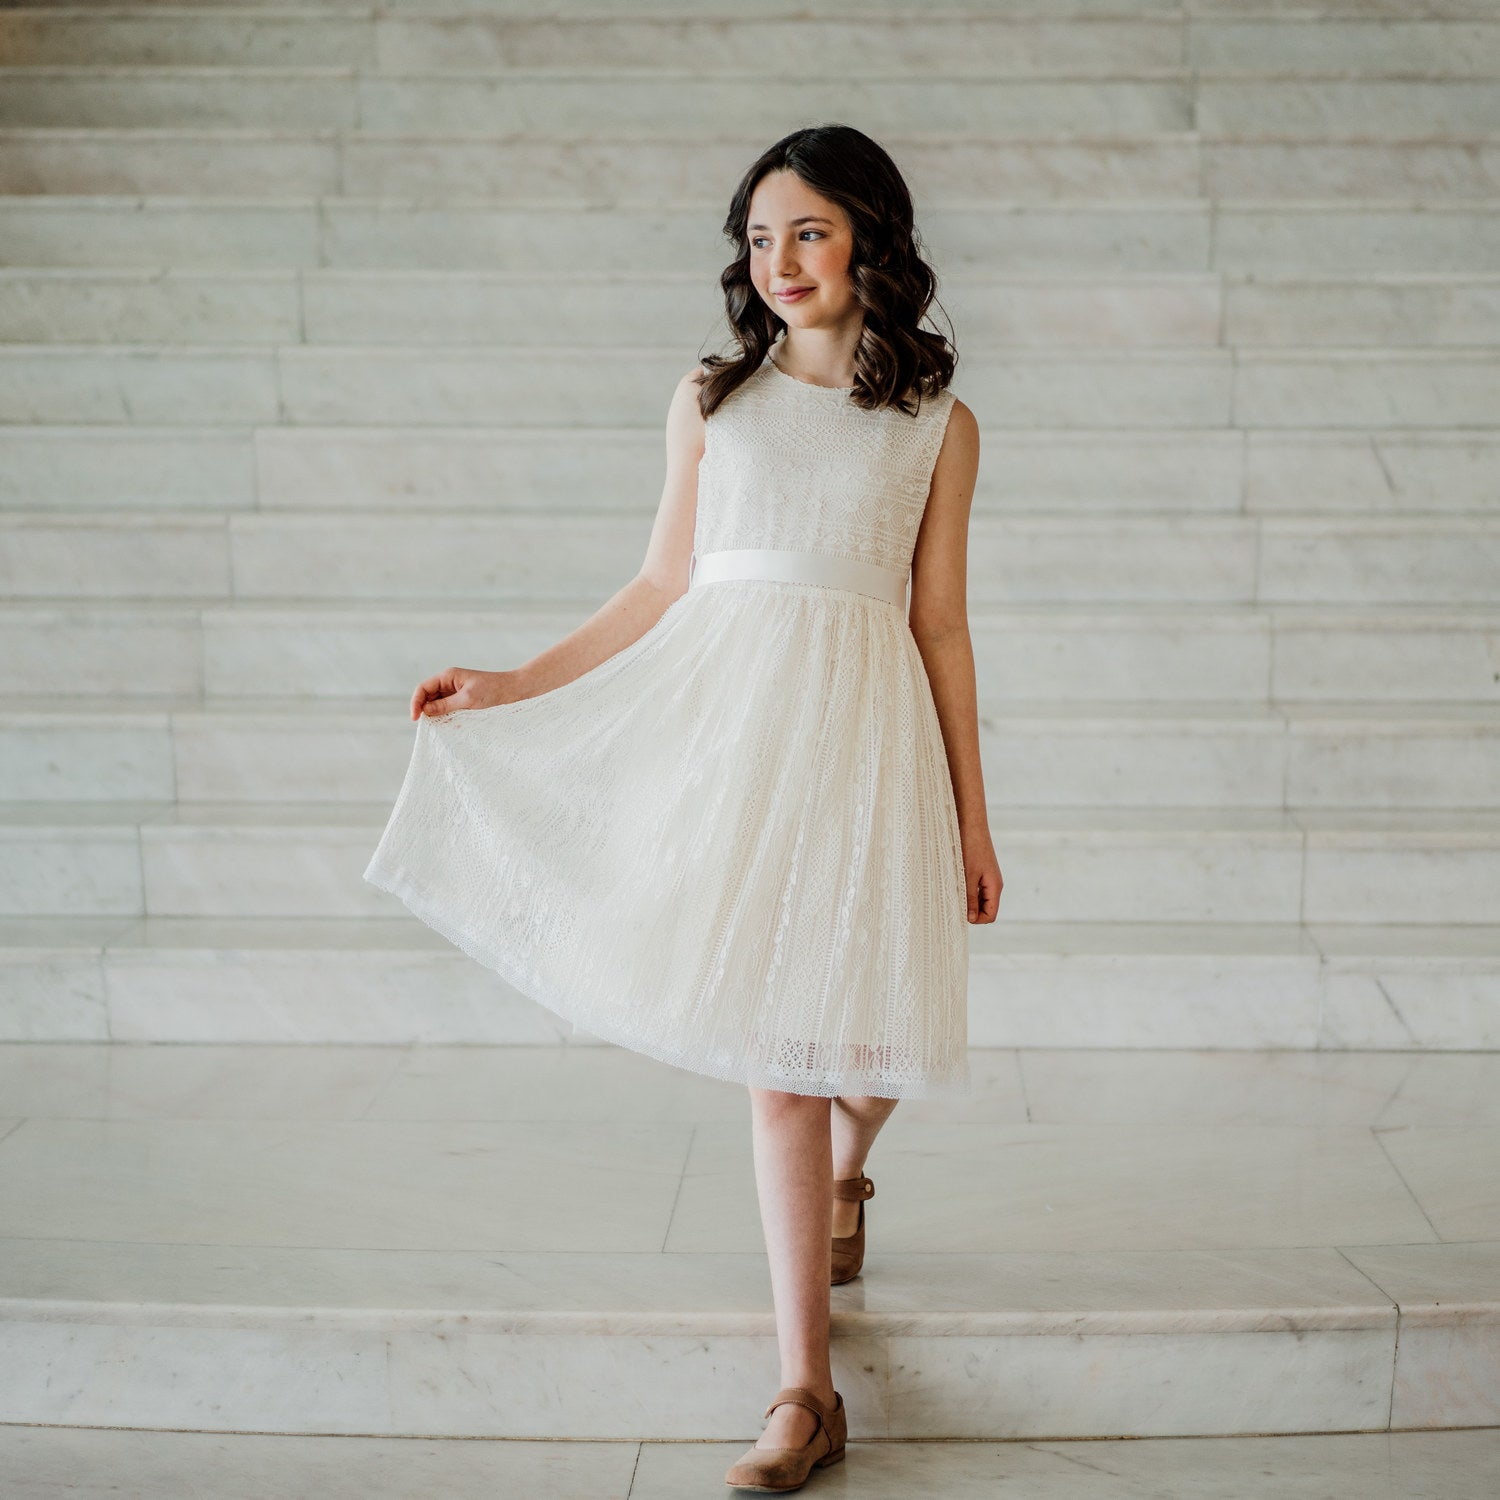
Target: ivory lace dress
[{"x": 732, "y": 846}]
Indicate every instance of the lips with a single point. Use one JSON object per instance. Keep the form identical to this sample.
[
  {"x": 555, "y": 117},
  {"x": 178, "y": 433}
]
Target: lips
[{"x": 793, "y": 293}]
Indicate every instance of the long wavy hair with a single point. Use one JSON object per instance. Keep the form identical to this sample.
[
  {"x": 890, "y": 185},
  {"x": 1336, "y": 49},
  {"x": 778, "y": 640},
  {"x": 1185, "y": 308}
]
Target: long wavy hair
[{"x": 892, "y": 282}]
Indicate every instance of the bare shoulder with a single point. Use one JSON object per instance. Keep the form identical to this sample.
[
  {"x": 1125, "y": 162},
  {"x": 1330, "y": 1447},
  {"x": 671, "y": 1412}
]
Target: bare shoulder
[
  {"x": 940, "y": 559},
  {"x": 688, "y": 387},
  {"x": 685, "y": 423},
  {"x": 957, "y": 462},
  {"x": 963, "y": 428}
]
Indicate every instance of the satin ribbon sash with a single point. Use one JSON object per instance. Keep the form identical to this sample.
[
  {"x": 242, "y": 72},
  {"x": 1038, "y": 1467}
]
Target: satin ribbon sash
[{"x": 785, "y": 565}]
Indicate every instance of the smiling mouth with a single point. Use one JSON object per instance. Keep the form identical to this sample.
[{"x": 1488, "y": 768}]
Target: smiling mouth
[{"x": 794, "y": 291}]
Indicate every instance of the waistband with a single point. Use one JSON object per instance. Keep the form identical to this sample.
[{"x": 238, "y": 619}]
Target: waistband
[{"x": 786, "y": 565}]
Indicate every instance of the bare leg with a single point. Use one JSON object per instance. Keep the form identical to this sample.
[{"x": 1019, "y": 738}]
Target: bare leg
[
  {"x": 794, "y": 1180},
  {"x": 856, "y": 1121}
]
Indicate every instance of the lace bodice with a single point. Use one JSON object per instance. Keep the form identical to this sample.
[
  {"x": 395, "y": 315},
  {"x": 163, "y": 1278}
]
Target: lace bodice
[{"x": 790, "y": 464}]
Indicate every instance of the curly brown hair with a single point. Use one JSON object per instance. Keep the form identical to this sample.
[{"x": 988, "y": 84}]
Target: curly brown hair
[{"x": 891, "y": 280}]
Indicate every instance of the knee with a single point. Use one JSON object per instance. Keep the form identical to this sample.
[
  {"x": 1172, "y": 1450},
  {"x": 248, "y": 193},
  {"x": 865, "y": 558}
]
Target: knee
[
  {"x": 866, "y": 1106},
  {"x": 780, "y": 1102}
]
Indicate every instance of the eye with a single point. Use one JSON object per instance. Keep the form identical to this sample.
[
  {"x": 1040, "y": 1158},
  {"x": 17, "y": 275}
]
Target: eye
[{"x": 756, "y": 239}]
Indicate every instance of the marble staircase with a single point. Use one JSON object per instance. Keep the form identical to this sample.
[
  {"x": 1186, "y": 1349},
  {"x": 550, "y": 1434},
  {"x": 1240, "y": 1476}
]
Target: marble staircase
[
  {"x": 537, "y": 1243},
  {"x": 335, "y": 343}
]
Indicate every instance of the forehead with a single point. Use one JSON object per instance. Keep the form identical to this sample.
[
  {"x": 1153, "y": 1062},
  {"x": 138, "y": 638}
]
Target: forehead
[{"x": 782, "y": 198}]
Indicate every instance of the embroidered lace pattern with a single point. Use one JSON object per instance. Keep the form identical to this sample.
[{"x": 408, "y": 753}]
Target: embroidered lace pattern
[{"x": 789, "y": 464}]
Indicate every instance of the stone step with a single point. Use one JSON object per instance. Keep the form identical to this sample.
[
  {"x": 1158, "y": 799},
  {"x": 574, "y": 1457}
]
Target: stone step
[
  {"x": 377, "y": 1241},
  {"x": 545, "y": 555},
  {"x": 1346, "y": 1466},
  {"x": 731, "y": 10},
  {"x": 415, "y": 471},
  {"x": 961, "y": 171},
  {"x": 390, "y": 980},
  {"x": 684, "y": 99},
  {"x": 1175, "y": 230},
  {"x": 458, "y": 386},
  {"x": 1097, "y": 864},
  {"x": 1309, "y": 755},
  {"x": 1060, "y": 653},
  {"x": 657, "y": 101},
  {"x": 985, "y": 41},
  {"x": 1190, "y": 309}
]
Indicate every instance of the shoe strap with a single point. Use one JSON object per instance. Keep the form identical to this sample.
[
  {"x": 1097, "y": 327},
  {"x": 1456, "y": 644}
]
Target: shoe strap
[
  {"x": 800, "y": 1396},
  {"x": 853, "y": 1187}
]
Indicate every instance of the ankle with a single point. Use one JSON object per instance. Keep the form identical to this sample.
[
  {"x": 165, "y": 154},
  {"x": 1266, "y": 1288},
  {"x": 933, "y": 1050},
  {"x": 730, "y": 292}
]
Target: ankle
[{"x": 823, "y": 1391}]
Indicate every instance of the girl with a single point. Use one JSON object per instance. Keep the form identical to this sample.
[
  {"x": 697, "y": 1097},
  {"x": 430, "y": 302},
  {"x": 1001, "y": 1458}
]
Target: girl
[{"x": 736, "y": 820}]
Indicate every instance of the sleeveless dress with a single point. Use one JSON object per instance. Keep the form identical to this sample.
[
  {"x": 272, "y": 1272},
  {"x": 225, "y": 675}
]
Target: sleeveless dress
[{"x": 733, "y": 845}]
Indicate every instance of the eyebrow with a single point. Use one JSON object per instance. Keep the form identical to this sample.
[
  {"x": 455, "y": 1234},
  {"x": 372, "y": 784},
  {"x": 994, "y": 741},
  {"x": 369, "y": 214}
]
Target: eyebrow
[{"x": 805, "y": 219}]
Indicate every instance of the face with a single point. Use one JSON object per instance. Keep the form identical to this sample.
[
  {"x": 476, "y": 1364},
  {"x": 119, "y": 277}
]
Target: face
[{"x": 798, "y": 239}]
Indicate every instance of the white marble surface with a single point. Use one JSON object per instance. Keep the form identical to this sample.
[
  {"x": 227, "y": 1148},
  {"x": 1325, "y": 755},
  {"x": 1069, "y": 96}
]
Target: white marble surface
[
  {"x": 1448, "y": 1356},
  {"x": 193, "y": 385},
  {"x": 1033, "y": 985},
  {"x": 523, "y": 104},
  {"x": 1069, "y": 1185},
  {"x": 1171, "y": 169},
  {"x": 1225, "y": 45},
  {"x": 83, "y": 468},
  {"x": 1076, "y": 1186},
  {"x": 76, "y": 305},
  {"x": 1155, "y": 1243},
  {"x": 61, "y": 230},
  {"x": 519, "y": 103},
  {"x": 1315, "y": 1089},
  {"x": 588, "y": 1291},
  {"x": 51, "y": 1463},
  {"x": 1446, "y": 1168}
]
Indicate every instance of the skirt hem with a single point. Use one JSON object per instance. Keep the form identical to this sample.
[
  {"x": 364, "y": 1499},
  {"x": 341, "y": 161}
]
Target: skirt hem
[{"x": 730, "y": 1070}]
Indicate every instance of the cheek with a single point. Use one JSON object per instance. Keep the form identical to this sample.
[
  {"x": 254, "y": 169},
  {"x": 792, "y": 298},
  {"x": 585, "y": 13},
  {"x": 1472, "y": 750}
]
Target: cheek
[{"x": 831, "y": 266}]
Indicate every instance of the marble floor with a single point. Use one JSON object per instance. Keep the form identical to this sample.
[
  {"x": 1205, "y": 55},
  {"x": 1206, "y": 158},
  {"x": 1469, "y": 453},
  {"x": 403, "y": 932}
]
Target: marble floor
[
  {"x": 436, "y": 1148},
  {"x": 321, "y": 1254},
  {"x": 41, "y": 1463}
]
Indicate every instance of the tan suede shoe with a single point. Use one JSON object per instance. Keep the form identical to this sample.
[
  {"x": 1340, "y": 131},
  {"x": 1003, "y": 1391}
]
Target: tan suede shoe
[
  {"x": 771, "y": 1470},
  {"x": 849, "y": 1249}
]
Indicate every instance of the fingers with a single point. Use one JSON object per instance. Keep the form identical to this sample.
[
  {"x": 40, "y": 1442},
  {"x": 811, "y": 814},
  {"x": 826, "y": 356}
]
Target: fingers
[
  {"x": 432, "y": 693},
  {"x": 984, "y": 895},
  {"x": 994, "y": 884},
  {"x": 423, "y": 691}
]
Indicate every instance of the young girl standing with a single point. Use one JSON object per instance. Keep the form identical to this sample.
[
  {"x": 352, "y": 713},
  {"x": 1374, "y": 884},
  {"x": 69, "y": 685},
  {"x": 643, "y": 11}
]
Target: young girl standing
[{"x": 736, "y": 820}]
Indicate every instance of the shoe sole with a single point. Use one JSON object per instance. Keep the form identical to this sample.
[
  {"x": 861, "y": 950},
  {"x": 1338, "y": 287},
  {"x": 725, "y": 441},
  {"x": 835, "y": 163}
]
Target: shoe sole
[{"x": 833, "y": 1456}]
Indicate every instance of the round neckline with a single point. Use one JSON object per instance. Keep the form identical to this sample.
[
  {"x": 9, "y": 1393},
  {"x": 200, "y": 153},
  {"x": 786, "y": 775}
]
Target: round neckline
[{"x": 837, "y": 390}]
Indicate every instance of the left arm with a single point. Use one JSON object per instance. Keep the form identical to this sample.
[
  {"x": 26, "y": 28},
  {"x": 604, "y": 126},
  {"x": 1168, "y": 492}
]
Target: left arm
[{"x": 939, "y": 618}]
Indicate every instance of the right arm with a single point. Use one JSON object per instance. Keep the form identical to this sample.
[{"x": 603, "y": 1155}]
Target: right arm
[{"x": 621, "y": 620}]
